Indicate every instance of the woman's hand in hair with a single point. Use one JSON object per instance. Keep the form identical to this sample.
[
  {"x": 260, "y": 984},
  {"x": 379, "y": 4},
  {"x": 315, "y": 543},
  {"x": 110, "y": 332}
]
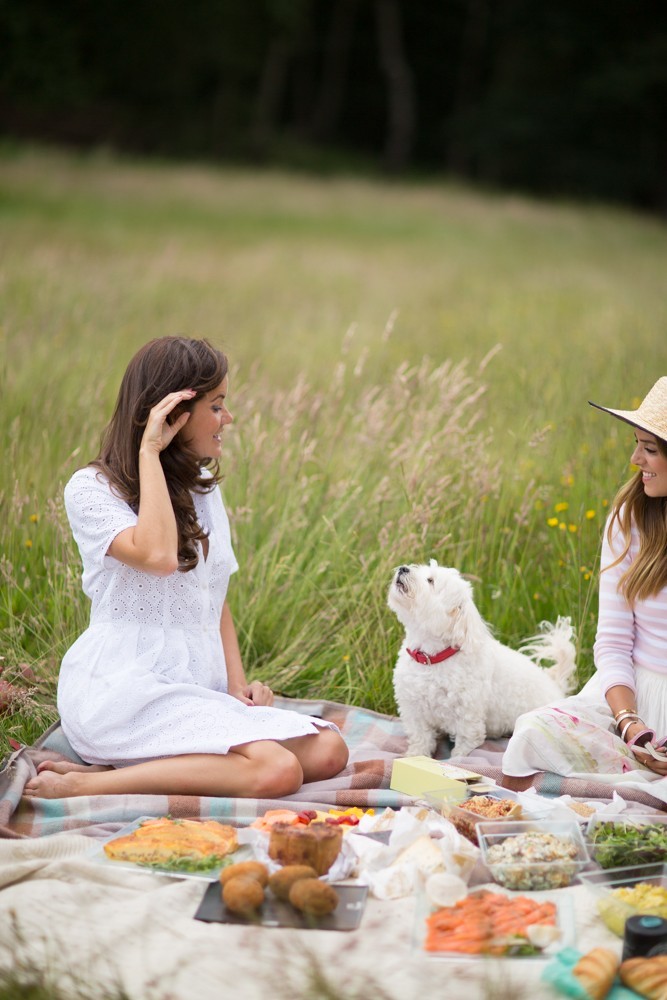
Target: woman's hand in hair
[{"x": 159, "y": 432}]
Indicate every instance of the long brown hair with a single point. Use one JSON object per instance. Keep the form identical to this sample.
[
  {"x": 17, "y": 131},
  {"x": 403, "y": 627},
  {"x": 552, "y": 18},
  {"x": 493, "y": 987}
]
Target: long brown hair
[
  {"x": 647, "y": 575},
  {"x": 162, "y": 366}
]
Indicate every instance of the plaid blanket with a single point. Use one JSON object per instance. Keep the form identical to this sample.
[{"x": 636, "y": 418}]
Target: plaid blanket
[{"x": 374, "y": 741}]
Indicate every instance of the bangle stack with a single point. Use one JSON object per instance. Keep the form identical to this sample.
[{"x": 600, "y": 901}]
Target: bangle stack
[{"x": 625, "y": 718}]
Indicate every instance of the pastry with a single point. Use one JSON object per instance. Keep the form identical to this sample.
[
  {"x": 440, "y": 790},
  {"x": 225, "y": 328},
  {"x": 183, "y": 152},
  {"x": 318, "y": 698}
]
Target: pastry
[
  {"x": 249, "y": 869},
  {"x": 646, "y": 976},
  {"x": 596, "y": 971},
  {"x": 168, "y": 842},
  {"x": 316, "y": 845},
  {"x": 243, "y": 895},
  {"x": 313, "y": 897},
  {"x": 281, "y": 882}
]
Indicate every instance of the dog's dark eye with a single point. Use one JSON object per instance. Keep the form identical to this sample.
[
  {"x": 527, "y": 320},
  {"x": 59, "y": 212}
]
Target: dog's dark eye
[{"x": 430, "y": 580}]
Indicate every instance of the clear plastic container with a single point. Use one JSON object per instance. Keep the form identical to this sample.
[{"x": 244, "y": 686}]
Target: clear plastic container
[
  {"x": 467, "y": 820},
  {"x": 628, "y": 840},
  {"x": 613, "y": 908},
  {"x": 533, "y": 855}
]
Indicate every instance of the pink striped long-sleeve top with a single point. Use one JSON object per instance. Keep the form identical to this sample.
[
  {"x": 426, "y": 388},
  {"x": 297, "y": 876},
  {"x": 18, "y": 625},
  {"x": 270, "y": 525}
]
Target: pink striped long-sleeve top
[{"x": 626, "y": 637}]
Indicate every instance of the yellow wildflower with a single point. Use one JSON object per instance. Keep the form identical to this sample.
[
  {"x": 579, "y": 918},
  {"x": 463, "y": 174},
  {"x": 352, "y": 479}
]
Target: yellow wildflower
[
  {"x": 567, "y": 480},
  {"x": 590, "y": 514},
  {"x": 552, "y": 522},
  {"x": 562, "y": 526},
  {"x": 28, "y": 543},
  {"x": 34, "y": 518},
  {"x": 559, "y": 507},
  {"x": 572, "y": 528}
]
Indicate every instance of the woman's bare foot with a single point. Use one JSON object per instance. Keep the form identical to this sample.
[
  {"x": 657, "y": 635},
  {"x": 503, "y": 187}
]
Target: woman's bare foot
[
  {"x": 65, "y": 766},
  {"x": 52, "y": 785},
  {"x": 517, "y": 784}
]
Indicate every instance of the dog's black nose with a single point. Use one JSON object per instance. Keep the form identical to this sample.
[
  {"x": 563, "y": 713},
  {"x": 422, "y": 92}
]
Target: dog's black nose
[{"x": 402, "y": 569}]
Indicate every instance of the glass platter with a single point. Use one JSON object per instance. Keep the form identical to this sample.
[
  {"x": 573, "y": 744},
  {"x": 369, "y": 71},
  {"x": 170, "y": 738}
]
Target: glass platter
[
  {"x": 564, "y": 922},
  {"x": 242, "y": 853}
]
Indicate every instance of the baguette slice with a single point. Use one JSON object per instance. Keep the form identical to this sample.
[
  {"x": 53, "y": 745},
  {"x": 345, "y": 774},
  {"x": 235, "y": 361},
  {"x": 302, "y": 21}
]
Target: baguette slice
[
  {"x": 596, "y": 972},
  {"x": 646, "y": 976}
]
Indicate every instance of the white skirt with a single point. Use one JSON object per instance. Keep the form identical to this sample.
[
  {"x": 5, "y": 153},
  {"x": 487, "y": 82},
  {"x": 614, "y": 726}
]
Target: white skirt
[{"x": 577, "y": 736}]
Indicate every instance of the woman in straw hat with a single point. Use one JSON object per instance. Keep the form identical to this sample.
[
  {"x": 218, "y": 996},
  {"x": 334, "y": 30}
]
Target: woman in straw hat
[{"x": 617, "y": 724}]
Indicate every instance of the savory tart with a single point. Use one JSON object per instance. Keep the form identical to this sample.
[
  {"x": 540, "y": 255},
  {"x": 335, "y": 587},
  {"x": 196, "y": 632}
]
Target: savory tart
[{"x": 180, "y": 844}]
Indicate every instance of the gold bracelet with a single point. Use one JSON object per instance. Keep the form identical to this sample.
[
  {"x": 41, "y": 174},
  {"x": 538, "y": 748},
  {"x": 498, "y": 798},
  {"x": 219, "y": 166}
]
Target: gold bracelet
[{"x": 624, "y": 711}]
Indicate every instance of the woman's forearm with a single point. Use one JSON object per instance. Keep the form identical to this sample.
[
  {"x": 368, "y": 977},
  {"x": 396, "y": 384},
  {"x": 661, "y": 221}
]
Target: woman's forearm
[
  {"x": 152, "y": 544},
  {"x": 236, "y": 678}
]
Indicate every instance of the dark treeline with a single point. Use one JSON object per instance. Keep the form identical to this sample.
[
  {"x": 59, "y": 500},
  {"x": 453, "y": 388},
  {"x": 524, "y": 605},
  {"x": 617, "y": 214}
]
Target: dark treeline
[{"x": 566, "y": 97}]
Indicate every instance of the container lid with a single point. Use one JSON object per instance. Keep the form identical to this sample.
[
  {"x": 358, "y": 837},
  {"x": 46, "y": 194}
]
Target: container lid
[{"x": 642, "y": 933}]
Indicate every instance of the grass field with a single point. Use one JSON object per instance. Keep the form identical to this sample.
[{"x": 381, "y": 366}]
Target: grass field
[{"x": 411, "y": 366}]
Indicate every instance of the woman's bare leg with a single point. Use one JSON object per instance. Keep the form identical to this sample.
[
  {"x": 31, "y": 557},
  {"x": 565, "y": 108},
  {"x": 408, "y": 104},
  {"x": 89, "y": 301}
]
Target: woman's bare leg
[
  {"x": 263, "y": 769},
  {"x": 321, "y": 755},
  {"x": 64, "y": 766},
  {"x": 517, "y": 784}
]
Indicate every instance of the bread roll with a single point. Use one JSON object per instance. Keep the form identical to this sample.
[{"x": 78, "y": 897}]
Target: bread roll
[
  {"x": 243, "y": 895},
  {"x": 646, "y": 976},
  {"x": 313, "y": 897},
  {"x": 596, "y": 972},
  {"x": 249, "y": 869}
]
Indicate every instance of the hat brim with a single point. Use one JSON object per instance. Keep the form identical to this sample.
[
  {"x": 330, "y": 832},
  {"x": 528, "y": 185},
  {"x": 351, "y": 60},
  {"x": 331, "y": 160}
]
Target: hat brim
[{"x": 630, "y": 417}]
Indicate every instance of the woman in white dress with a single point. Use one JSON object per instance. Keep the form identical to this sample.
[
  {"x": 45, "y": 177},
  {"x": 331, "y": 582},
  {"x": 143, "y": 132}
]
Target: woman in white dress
[
  {"x": 153, "y": 694},
  {"x": 617, "y": 725}
]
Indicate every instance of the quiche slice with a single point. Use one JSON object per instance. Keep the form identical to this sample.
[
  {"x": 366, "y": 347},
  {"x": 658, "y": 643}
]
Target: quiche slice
[{"x": 179, "y": 844}]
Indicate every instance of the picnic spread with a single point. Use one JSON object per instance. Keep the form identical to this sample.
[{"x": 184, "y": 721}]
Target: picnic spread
[{"x": 352, "y": 882}]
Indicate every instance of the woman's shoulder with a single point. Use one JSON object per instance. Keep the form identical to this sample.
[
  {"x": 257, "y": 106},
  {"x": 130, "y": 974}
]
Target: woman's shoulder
[
  {"x": 86, "y": 478},
  {"x": 90, "y": 485}
]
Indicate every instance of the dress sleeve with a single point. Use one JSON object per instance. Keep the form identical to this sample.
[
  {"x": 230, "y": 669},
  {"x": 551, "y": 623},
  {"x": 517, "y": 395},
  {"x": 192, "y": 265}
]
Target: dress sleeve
[
  {"x": 96, "y": 515},
  {"x": 614, "y": 642}
]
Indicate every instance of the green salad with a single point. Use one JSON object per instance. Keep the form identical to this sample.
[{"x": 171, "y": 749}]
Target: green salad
[{"x": 617, "y": 845}]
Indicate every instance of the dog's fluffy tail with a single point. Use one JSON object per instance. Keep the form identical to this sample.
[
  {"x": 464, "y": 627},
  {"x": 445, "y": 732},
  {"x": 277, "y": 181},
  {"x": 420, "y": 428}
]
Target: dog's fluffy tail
[{"x": 555, "y": 643}]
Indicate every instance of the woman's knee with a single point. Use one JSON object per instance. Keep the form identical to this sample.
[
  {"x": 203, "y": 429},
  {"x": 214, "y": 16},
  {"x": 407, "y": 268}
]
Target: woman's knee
[
  {"x": 334, "y": 753},
  {"x": 281, "y": 775}
]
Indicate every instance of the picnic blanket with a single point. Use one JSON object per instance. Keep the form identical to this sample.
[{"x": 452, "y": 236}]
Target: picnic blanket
[
  {"x": 375, "y": 740},
  {"x": 101, "y": 929}
]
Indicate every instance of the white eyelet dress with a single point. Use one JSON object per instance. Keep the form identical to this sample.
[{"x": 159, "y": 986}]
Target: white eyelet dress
[{"x": 147, "y": 678}]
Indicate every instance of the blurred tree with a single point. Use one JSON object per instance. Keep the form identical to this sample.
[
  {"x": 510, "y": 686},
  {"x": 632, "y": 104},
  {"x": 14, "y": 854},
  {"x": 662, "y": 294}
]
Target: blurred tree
[
  {"x": 399, "y": 84},
  {"x": 568, "y": 97}
]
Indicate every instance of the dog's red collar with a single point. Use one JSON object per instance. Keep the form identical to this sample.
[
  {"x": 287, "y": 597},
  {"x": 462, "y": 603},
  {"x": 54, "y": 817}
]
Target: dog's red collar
[{"x": 420, "y": 657}]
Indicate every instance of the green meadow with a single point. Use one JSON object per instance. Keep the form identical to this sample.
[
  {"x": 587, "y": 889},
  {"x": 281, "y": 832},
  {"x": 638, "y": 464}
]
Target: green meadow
[{"x": 411, "y": 365}]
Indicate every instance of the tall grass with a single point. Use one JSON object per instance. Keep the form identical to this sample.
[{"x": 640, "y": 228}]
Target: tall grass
[{"x": 410, "y": 373}]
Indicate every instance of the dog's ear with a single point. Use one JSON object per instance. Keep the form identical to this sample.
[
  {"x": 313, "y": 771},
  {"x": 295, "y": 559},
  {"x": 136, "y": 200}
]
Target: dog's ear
[
  {"x": 458, "y": 632},
  {"x": 433, "y": 563}
]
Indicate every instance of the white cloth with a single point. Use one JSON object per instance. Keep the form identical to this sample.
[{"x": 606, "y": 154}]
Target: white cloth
[
  {"x": 577, "y": 736},
  {"x": 148, "y": 677},
  {"x": 63, "y": 912}
]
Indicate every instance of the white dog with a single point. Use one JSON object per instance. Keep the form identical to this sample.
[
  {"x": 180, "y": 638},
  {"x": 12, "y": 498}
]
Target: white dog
[{"x": 453, "y": 677}]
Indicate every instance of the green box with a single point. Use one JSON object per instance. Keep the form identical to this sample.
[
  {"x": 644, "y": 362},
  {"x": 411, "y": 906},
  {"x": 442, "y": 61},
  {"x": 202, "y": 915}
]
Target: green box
[{"x": 416, "y": 775}]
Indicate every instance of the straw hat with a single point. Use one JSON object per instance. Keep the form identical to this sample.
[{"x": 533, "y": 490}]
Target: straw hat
[{"x": 651, "y": 415}]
